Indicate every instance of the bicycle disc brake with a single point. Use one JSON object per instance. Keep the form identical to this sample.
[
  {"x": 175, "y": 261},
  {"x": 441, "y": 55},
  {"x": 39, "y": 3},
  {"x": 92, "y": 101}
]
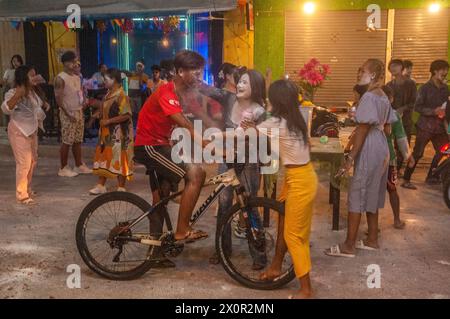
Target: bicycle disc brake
[{"x": 169, "y": 246}]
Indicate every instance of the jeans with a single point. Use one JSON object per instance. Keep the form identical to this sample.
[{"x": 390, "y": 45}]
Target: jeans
[{"x": 249, "y": 176}]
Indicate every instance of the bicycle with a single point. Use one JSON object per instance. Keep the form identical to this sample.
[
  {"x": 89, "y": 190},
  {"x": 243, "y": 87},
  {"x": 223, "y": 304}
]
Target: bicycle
[{"x": 124, "y": 232}]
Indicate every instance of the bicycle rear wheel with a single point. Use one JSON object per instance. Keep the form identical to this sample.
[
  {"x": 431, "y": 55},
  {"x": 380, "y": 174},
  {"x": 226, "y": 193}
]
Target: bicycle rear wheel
[
  {"x": 95, "y": 227},
  {"x": 235, "y": 253}
]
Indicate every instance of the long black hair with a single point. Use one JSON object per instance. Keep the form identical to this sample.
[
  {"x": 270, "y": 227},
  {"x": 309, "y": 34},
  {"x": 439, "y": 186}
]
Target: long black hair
[
  {"x": 227, "y": 69},
  {"x": 258, "y": 85},
  {"x": 18, "y": 58},
  {"x": 284, "y": 98}
]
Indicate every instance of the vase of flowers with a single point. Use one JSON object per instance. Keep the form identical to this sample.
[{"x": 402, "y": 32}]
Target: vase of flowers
[{"x": 311, "y": 78}]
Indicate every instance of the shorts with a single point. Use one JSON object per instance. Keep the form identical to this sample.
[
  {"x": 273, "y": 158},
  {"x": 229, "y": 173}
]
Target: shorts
[
  {"x": 392, "y": 179},
  {"x": 159, "y": 163},
  {"x": 72, "y": 132}
]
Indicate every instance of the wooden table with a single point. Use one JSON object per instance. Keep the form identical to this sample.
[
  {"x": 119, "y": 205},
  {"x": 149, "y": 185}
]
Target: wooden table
[{"x": 333, "y": 153}]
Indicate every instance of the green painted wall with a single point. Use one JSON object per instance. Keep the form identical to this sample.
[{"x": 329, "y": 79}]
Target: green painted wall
[
  {"x": 269, "y": 24},
  {"x": 347, "y": 4},
  {"x": 269, "y": 38}
]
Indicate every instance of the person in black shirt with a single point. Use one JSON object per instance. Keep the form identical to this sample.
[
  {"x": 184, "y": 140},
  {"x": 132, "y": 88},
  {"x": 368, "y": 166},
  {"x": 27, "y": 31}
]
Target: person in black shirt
[
  {"x": 431, "y": 104},
  {"x": 405, "y": 93},
  {"x": 408, "y": 69}
]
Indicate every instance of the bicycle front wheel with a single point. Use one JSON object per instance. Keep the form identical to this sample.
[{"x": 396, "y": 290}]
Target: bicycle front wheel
[{"x": 238, "y": 254}]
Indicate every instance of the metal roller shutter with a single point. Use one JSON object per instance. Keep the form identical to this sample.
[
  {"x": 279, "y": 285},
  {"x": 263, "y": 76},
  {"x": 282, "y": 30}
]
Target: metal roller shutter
[
  {"x": 337, "y": 38},
  {"x": 421, "y": 37}
]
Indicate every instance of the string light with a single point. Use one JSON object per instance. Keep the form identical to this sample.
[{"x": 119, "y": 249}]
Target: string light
[
  {"x": 434, "y": 7},
  {"x": 165, "y": 43},
  {"x": 309, "y": 7}
]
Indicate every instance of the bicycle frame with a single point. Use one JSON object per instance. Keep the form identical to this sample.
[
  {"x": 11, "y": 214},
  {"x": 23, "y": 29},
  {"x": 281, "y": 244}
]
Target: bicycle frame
[{"x": 225, "y": 180}]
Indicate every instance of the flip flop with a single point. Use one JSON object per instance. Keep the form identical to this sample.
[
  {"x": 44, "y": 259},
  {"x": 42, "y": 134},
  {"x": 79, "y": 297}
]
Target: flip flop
[
  {"x": 335, "y": 251},
  {"x": 267, "y": 278},
  {"x": 360, "y": 245},
  {"x": 192, "y": 236}
]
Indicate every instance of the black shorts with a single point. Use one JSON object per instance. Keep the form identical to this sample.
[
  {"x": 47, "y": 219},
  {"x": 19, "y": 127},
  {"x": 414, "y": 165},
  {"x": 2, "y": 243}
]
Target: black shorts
[{"x": 159, "y": 164}]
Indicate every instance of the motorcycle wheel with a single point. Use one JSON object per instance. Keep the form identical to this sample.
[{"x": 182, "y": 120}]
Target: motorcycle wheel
[{"x": 446, "y": 192}]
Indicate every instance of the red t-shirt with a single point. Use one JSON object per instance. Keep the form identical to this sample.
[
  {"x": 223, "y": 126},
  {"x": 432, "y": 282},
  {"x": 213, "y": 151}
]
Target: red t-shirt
[{"x": 154, "y": 124}]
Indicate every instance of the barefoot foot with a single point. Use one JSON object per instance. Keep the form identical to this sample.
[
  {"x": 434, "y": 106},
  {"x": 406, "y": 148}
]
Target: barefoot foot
[{"x": 399, "y": 224}]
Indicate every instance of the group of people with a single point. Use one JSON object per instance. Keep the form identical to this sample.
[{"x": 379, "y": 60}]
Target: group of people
[
  {"x": 244, "y": 99},
  {"x": 384, "y": 127}
]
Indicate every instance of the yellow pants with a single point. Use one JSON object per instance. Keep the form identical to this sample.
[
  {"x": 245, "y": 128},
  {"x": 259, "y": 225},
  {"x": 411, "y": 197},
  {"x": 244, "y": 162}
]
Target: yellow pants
[{"x": 299, "y": 192}]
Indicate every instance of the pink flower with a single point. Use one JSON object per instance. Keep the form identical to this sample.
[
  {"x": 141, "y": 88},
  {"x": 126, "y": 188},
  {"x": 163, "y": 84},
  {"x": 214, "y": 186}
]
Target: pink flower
[
  {"x": 326, "y": 69},
  {"x": 314, "y": 62}
]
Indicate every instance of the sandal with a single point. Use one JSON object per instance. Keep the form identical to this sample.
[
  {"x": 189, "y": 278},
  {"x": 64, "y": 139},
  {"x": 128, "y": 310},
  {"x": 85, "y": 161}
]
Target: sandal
[
  {"x": 335, "y": 251},
  {"x": 266, "y": 277},
  {"x": 409, "y": 185},
  {"x": 360, "y": 245},
  {"x": 192, "y": 236},
  {"x": 26, "y": 201}
]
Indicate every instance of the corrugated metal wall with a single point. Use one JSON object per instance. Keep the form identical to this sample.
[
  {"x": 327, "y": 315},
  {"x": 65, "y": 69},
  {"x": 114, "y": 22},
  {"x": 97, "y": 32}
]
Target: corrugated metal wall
[
  {"x": 337, "y": 38},
  {"x": 11, "y": 42},
  {"x": 421, "y": 37}
]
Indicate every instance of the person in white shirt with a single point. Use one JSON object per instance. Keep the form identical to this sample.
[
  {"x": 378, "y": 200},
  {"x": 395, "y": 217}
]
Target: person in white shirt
[
  {"x": 7, "y": 81},
  {"x": 99, "y": 77},
  {"x": 70, "y": 99},
  {"x": 24, "y": 106},
  {"x": 300, "y": 186}
]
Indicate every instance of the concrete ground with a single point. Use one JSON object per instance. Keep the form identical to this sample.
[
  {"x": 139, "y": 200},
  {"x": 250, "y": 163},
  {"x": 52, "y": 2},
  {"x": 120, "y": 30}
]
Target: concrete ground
[{"x": 38, "y": 243}]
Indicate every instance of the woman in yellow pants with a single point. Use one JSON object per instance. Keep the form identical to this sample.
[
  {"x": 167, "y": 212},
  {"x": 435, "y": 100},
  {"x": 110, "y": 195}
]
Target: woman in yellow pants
[{"x": 289, "y": 127}]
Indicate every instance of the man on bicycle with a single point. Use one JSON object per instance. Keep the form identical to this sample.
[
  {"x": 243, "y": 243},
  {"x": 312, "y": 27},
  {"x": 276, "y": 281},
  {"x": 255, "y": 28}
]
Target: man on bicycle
[{"x": 161, "y": 113}]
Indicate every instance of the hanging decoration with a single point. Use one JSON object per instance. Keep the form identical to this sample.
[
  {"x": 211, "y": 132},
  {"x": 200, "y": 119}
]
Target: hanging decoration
[
  {"x": 118, "y": 22},
  {"x": 33, "y": 24},
  {"x": 156, "y": 23},
  {"x": 66, "y": 26},
  {"x": 101, "y": 26},
  {"x": 15, "y": 25},
  {"x": 127, "y": 26}
]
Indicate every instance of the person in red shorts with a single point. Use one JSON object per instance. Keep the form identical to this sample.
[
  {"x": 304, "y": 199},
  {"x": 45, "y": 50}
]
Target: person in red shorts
[{"x": 161, "y": 113}]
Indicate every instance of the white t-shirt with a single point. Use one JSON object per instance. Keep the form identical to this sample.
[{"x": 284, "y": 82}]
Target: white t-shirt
[
  {"x": 9, "y": 77},
  {"x": 252, "y": 113},
  {"x": 293, "y": 150}
]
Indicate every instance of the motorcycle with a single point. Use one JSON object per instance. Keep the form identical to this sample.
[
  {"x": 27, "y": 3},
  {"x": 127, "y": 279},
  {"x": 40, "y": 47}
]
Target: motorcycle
[
  {"x": 324, "y": 122},
  {"x": 443, "y": 171}
]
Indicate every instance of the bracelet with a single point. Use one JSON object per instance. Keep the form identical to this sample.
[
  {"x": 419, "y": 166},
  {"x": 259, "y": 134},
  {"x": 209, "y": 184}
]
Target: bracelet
[{"x": 349, "y": 157}]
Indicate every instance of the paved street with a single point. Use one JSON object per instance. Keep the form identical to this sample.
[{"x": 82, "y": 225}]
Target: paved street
[{"x": 38, "y": 243}]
